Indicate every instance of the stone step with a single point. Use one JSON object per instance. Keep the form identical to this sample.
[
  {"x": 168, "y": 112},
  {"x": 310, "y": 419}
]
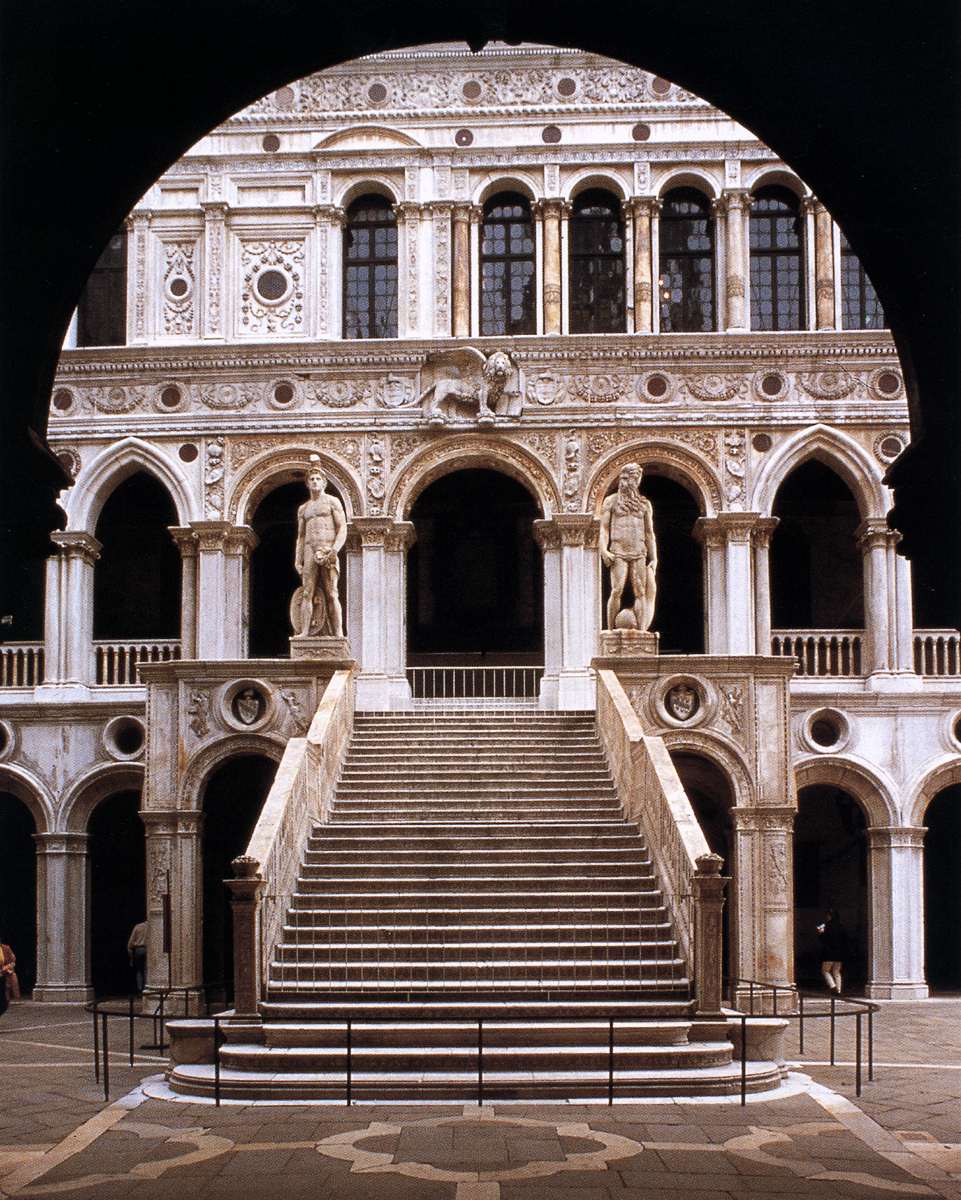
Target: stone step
[
  {"x": 466, "y": 884},
  {"x": 474, "y": 899},
  {"x": 602, "y": 949},
  {"x": 447, "y": 775},
  {"x": 365, "y": 978},
  {"x": 463, "y": 1034},
  {"x": 496, "y": 924},
  {"x": 335, "y": 840},
  {"x": 536, "y": 1008},
  {"x": 476, "y": 794},
  {"x": 611, "y": 965},
  {"x": 552, "y": 811},
  {"x": 474, "y": 855}
]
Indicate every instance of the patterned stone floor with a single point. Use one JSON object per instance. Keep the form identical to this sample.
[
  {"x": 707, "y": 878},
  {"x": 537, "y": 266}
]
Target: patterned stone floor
[{"x": 901, "y": 1138}]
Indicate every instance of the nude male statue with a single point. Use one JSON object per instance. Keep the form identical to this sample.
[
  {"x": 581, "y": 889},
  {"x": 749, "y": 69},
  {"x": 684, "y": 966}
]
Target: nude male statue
[
  {"x": 321, "y": 532},
  {"x": 628, "y": 548}
]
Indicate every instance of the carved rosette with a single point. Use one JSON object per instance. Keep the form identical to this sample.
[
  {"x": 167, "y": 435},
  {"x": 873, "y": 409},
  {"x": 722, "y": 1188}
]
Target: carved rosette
[
  {"x": 179, "y": 285},
  {"x": 259, "y": 313}
]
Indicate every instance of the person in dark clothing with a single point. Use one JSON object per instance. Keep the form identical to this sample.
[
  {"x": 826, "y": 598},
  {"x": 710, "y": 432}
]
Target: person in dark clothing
[{"x": 833, "y": 950}]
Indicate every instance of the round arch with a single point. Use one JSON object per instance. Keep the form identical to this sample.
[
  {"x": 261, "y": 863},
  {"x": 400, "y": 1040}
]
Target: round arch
[
  {"x": 945, "y": 772},
  {"x": 117, "y": 463},
  {"x": 868, "y": 786},
  {"x": 836, "y": 451},
  {"x": 273, "y": 468},
  {"x": 459, "y": 453},
  {"x": 97, "y": 785},
  {"x": 662, "y": 458},
  {"x": 690, "y": 177},
  {"x": 372, "y": 185},
  {"x": 394, "y": 137},
  {"x": 589, "y": 178},
  {"x": 775, "y": 176},
  {"x": 208, "y": 760},
  {"x": 517, "y": 181},
  {"x": 32, "y": 793},
  {"x": 720, "y": 753}
]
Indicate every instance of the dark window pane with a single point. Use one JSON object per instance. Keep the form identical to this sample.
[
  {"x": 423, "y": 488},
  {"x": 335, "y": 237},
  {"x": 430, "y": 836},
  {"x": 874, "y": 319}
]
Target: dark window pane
[
  {"x": 102, "y": 307},
  {"x": 597, "y": 274},
  {"x": 777, "y": 260},
  {"x": 370, "y": 269},
  {"x": 686, "y": 269},
  {"x": 860, "y": 307},
  {"x": 507, "y": 266}
]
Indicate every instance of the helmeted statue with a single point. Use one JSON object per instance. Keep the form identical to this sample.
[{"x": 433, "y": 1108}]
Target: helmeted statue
[{"x": 629, "y": 550}]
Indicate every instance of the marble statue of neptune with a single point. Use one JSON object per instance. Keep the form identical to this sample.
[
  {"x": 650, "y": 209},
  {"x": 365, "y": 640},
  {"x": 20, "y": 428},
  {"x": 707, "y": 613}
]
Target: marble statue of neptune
[
  {"x": 321, "y": 532},
  {"x": 628, "y": 549}
]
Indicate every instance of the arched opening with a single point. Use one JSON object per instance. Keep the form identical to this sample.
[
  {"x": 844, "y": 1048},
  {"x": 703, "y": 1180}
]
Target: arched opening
[
  {"x": 18, "y": 887},
  {"x": 370, "y": 269},
  {"x": 273, "y": 576},
  {"x": 686, "y": 276},
  {"x": 233, "y": 797},
  {"x": 816, "y": 572},
  {"x": 474, "y": 575},
  {"x": 597, "y": 294},
  {"x": 507, "y": 266},
  {"x": 118, "y": 889},
  {"x": 942, "y": 895},
  {"x": 679, "y": 608},
  {"x": 830, "y": 871},
  {"x": 777, "y": 260},
  {"x": 712, "y": 798},
  {"x": 136, "y": 591}
]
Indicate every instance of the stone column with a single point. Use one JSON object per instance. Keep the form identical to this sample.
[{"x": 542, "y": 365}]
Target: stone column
[
  {"x": 245, "y": 898},
  {"x": 709, "y": 885},
  {"x": 223, "y": 557},
  {"x": 551, "y": 217},
  {"x": 880, "y": 621},
  {"x": 808, "y": 265},
  {"x": 572, "y": 608},
  {"x": 902, "y": 607},
  {"x": 476, "y": 220},
  {"x": 896, "y": 953},
  {"x": 215, "y": 256},
  {"x": 711, "y": 535},
  {"x": 377, "y": 610},
  {"x": 461, "y": 270},
  {"x": 68, "y": 615},
  {"x": 565, "y": 260},
  {"x": 186, "y": 542},
  {"x": 63, "y": 934},
  {"x": 174, "y": 866},
  {"x": 823, "y": 267},
  {"x": 738, "y": 265},
  {"x": 641, "y": 209},
  {"x": 761, "y": 544},
  {"x": 764, "y": 893}
]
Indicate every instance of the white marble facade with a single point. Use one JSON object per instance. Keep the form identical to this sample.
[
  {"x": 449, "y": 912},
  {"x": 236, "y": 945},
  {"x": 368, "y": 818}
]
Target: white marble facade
[{"x": 221, "y": 394}]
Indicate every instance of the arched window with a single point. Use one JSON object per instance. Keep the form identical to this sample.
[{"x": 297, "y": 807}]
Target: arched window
[
  {"x": 597, "y": 264},
  {"x": 102, "y": 307},
  {"x": 370, "y": 269},
  {"x": 777, "y": 260},
  {"x": 686, "y": 273},
  {"x": 860, "y": 306},
  {"x": 507, "y": 266}
]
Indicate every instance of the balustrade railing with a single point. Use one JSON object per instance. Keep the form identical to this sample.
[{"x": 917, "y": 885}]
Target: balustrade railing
[
  {"x": 937, "y": 651},
  {"x": 301, "y": 794},
  {"x": 118, "y": 662},
  {"x": 475, "y": 687},
  {"x": 821, "y": 651},
  {"x": 652, "y": 794},
  {"x": 21, "y": 664}
]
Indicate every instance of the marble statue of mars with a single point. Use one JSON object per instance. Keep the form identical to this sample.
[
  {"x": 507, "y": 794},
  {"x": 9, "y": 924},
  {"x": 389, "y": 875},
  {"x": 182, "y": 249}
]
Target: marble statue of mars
[
  {"x": 628, "y": 548},
  {"x": 321, "y": 532}
]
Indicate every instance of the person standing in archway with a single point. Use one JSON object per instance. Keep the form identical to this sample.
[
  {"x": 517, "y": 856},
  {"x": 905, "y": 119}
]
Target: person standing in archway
[
  {"x": 834, "y": 950},
  {"x": 9, "y": 984},
  {"x": 628, "y": 548}
]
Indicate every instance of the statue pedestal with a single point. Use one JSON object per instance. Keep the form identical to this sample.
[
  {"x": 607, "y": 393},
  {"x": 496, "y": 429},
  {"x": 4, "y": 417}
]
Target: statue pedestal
[
  {"x": 320, "y": 648},
  {"x": 629, "y": 643}
]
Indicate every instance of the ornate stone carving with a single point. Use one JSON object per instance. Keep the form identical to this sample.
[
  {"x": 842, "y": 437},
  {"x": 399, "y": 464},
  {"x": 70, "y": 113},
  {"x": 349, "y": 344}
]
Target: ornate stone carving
[
  {"x": 315, "y": 609},
  {"x": 376, "y": 471},
  {"x": 735, "y": 286},
  {"x": 114, "y": 399},
  {"x": 69, "y": 459},
  {"x": 599, "y": 441},
  {"x": 687, "y": 464},
  {"x": 343, "y": 393},
  {"x": 543, "y": 388},
  {"x": 198, "y": 710},
  {"x": 295, "y": 719},
  {"x": 629, "y": 551},
  {"x": 214, "y": 477},
  {"x": 403, "y": 444},
  {"x": 397, "y": 391},
  {"x": 179, "y": 284},
  {"x": 442, "y": 260},
  {"x": 140, "y": 223},
  {"x": 711, "y": 389},
  {"x": 732, "y": 706},
  {"x": 571, "y": 487},
  {"x": 215, "y": 233},
  {"x": 468, "y": 379},
  {"x": 159, "y": 849},
  {"x": 734, "y": 443},
  {"x": 600, "y": 389},
  {"x": 828, "y": 385},
  {"x": 542, "y": 443},
  {"x": 705, "y": 442},
  {"x": 226, "y": 396},
  {"x": 682, "y": 701},
  {"x": 259, "y": 315}
]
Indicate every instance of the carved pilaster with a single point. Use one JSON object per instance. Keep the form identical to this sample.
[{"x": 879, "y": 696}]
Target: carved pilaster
[
  {"x": 409, "y": 214},
  {"x": 215, "y": 233},
  {"x": 441, "y": 225},
  {"x": 138, "y": 226}
]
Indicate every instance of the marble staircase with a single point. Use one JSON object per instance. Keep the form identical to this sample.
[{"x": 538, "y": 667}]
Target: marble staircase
[{"x": 476, "y": 867}]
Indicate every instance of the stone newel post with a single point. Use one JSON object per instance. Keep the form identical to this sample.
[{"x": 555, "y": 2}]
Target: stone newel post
[
  {"x": 245, "y": 897},
  {"x": 709, "y": 885}
]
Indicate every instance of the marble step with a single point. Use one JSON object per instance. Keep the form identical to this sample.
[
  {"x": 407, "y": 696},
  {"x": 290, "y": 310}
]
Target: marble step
[
  {"x": 470, "y": 854},
  {"x": 550, "y": 885},
  {"x": 478, "y": 898},
  {"x": 463, "y": 1034},
  {"x": 335, "y": 838},
  {"x": 603, "y": 949},
  {"x": 366, "y": 979},
  {"x": 464, "y": 923},
  {"x": 378, "y": 964},
  {"x": 535, "y": 1007}
]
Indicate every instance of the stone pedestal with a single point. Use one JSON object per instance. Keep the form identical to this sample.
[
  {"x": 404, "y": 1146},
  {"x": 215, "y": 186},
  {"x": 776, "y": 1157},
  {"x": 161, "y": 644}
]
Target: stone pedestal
[
  {"x": 321, "y": 649},
  {"x": 896, "y": 966},
  {"x": 245, "y": 898},
  {"x": 629, "y": 643},
  {"x": 709, "y": 885}
]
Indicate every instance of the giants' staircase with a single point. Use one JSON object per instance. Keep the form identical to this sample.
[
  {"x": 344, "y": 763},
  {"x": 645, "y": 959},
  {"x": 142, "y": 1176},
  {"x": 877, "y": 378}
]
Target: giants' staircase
[{"x": 476, "y": 867}]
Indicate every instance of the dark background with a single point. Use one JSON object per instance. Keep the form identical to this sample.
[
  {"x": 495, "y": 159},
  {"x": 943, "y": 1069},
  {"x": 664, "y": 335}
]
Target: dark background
[{"x": 862, "y": 99}]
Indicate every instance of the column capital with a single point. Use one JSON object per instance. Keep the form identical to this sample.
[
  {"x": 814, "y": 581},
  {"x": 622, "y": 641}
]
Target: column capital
[
  {"x": 438, "y": 208},
  {"x": 185, "y": 539},
  {"x": 876, "y": 531},
  {"x": 734, "y": 199},
  {"x": 476, "y": 214},
  {"x": 408, "y": 208},
  {"x": 771, "y": 818},
  {"x": 61, "y": 843},
  {"x": 809, "y": 204},
  {"x": 330, "y": 212},
  {"x": 910, "y": 837},
  {"x": 215, "y": 209},
  {"x": 139, "y": 218},
  {"x": 224, "y": 536},
  {"x": 75, "y": 543},
  {"x": 728, "y": 527},
  {"x": 567, "y": 529},
  {"x": 549, "y": 207},
  {"x": 763, "y": 528},
  {"x": 640, "y": 206},
  {"x": 461, "y": 210},
  {"x": 381, "y": 531}
]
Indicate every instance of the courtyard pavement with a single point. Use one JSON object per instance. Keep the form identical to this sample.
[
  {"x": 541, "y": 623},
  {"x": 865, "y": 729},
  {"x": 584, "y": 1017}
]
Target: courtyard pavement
[{"x": 902, "y": 1137}]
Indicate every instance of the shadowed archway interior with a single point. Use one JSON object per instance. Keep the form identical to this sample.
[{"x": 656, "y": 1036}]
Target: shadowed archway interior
[
  {"x": 830, "y": 871},
  {"x": 117, "y": 890},
  {"x": 18, "y": 887},
  {"x": 474, "y": 575},
  {"x": 942, "y": 893}
]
